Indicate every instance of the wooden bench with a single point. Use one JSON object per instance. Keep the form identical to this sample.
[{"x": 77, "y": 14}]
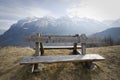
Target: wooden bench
[
  {"x": 56, "y": 59},
  {"x": 75, "y": 39}
]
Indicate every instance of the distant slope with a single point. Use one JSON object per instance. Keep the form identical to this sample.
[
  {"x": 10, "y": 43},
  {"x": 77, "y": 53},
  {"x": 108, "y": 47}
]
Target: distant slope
[
  {"x": 116, "y": 23},
  {"x": 114, "y": 33},
  {"x": 2, "y": 31},
  {"x": 48, "y": 25}
]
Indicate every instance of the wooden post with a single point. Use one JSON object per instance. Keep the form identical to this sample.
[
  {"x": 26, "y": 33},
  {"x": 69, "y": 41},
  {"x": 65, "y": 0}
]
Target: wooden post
[
  {"x": 75, "y": 48},
  {"x": 41, "y": 49},
  {"x": 83, "y": 39},
  {"x": 37, "y": 53},
  {"x": 83, "y": 48}
]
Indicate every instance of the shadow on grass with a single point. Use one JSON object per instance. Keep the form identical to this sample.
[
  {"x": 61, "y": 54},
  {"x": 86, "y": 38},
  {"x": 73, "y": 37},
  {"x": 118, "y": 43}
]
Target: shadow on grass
[
  {"x": 81, "y": 73},
  {"x": 62, "y": 71},
  {"x": 23, "y": 74},
  {"x": 65, "y": 72},
  {"x": 52, "y": 73},
  {"x": 59, "y": 71},
  {"x": 4, "y": 72}
]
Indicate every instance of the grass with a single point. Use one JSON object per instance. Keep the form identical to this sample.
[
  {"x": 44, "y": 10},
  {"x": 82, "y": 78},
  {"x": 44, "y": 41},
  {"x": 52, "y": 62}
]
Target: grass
[{"x": 11, "y": 70}]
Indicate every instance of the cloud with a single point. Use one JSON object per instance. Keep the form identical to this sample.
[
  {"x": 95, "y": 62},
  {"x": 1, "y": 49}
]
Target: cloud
[
  {"x": 23, "y": 8},
  {"x": 96, "y": 9},
  {"x": 5, "y": 24},
  {"x": 15, "y": 10},
  {"x": 22, "y": 12}
]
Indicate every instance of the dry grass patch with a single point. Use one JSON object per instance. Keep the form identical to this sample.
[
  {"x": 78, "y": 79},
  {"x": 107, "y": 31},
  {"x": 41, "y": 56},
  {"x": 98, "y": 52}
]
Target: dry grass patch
[{"x": 11, "y": 70}]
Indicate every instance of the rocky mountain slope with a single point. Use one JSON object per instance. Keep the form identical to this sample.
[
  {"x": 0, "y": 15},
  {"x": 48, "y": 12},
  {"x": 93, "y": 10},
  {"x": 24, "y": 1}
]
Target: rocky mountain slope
[
  {"x": 113, "y": 33},
  {"x": 48, "y": 25},
  {"x": 2, "y": 31}
]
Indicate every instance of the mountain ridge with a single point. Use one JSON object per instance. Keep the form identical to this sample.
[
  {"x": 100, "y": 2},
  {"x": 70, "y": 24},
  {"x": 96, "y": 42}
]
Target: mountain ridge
[
  {"x": 48, "y": 25},
  {"x": 113, "y": 33}
]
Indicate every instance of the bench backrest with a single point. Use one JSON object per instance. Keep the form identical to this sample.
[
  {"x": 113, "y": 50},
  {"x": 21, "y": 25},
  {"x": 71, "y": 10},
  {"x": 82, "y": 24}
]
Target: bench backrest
[
  {"x": 58, "y": 38},
  {"x": 39, "y": 39}
]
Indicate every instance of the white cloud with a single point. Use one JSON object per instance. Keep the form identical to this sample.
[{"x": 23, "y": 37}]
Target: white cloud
[
  {"x": 22, "y": 12},
  {"x": 19, "y": 9},
  {"x": 5, "y": 24},
  {"x": 38, "y": 12},
  {"x": 11, "y": 14},
  {"x": 96, "y": 9},
  {"x": 9, "y": 21}
]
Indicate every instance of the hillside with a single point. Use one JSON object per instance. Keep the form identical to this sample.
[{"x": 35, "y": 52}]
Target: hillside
[
  {"x": 2, "y": 31},
  {"x": 11, "y": 70},
  {"x": 114, "y": 33},
  {"x": 48, "y": 25}
]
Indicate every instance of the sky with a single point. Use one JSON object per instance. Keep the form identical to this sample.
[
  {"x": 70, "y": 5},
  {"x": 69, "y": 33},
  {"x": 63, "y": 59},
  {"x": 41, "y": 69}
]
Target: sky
[{"x": 13, "y": 10}]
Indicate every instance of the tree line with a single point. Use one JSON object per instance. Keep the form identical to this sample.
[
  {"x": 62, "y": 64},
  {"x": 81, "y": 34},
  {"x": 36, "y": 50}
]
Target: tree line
[{"x": 98, "y": 42}]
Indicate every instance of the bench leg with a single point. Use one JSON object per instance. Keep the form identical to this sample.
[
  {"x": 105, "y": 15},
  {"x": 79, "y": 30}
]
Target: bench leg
[
  {"x": 35, "y": 68},
  {"x": 88, "y": 65},
  {"x": 75, "y": 49},
  {"x": 76, "y": 52}
]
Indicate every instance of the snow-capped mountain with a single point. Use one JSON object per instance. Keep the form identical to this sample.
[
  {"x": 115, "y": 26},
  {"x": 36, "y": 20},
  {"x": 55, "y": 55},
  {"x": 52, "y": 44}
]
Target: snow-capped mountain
[{"x": 49, "y": 25}]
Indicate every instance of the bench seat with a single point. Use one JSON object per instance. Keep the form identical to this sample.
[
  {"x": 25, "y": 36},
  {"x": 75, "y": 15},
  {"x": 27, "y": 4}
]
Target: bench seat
[
  {"x": 65, "y": 58},
  {"x": 61, "y": 47}
]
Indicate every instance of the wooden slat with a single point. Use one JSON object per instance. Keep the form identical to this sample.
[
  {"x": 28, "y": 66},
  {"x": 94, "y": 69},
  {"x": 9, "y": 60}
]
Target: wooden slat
[
  {"x": 66, "y": 58},
  {"x": 54, "y": 39},
  {"x": 61, "y": 47}
]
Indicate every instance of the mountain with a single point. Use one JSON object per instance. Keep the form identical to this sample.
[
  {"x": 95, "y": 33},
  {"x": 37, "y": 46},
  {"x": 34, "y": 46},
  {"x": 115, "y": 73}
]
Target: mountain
[
  {"x": 116, "y": 23},
  {"x": 112, "y": 23},
  {"x": 48, "y": 25},
  {"x": 113, "y": 33},
  {"x": 2, "y": 31}
]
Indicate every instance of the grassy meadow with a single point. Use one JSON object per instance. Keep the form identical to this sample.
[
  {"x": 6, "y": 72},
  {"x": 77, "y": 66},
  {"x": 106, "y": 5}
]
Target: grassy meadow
[{"x": 10, "y": 69}]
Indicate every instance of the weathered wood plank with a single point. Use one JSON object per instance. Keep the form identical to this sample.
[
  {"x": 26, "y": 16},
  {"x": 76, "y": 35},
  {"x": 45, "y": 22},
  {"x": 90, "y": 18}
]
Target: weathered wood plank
[
  {"x": 60, "y": 39},
  {"x": 66, "y": 58},
  {"x": 83, "y": 48},
  {"x": 37, "y": 53},
  {"x": 55, "y": 38},
  {"x": 61, "y": 47}
]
